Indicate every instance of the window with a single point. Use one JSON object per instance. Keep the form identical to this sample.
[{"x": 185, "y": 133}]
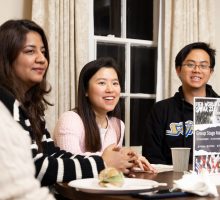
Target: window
[{"x": 127, "y": 31}]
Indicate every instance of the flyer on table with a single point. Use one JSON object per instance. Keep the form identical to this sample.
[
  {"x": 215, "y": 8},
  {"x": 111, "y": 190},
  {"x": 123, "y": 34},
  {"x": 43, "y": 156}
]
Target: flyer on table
[{"x": 206, "y": 148}]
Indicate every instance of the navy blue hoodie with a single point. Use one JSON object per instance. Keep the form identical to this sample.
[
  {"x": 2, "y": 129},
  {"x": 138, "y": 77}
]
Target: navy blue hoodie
[{"x": 169, "y": 124}]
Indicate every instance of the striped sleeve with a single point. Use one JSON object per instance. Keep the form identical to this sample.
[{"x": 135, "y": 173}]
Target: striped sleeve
[
  {"x": 50, "y": 170},
  {"x": 56, "y": 165},
  {"x": 53, "y": 165}
]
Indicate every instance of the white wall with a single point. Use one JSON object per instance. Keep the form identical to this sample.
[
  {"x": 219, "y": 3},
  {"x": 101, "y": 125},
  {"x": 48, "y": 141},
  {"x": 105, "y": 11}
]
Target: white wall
[{"x": 15, "y": 9}]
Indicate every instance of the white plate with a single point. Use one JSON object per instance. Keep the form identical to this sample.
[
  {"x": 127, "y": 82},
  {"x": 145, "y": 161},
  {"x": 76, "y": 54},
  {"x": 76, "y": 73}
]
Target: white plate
[{"x": 131, "y": 185}]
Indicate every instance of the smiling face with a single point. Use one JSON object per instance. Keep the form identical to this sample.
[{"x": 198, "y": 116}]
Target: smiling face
[
  {"x": 31, "y": 64},
  {"x": 104, "y": 90},
  {"x": 195, "y": 78}
]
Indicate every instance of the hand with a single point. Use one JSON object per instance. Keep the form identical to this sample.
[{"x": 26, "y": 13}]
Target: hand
[
  {"x": 144, "y": 164},
  {"x": 130, "y": 152},
  {"x": 121, "y": 160},
  {"x": 140, "y": 161}
]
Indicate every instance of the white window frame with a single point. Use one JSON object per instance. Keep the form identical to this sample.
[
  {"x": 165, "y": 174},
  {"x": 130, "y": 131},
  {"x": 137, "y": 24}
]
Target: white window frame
[{"x": 93, "y": 40}]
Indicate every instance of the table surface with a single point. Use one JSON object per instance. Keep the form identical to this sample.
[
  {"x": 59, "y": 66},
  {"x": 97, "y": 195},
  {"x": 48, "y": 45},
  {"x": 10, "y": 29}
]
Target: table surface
[{"x": 166, "y": 177}]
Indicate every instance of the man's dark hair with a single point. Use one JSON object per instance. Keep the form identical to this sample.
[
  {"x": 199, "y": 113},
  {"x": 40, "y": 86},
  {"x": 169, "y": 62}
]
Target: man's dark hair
[{"x": 181, "y": 56}]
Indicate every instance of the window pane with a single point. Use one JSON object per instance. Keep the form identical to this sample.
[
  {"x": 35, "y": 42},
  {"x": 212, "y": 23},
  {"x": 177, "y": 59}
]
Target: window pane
[
  {"x": 107, "y": 17},
  {"x": 140, "y": 108},
  {"x": 117, "y": 52},
  {"x": 140, "y": 19},
  {"x": 143, "y": 69},
  {"x": 122, "y": 108}
]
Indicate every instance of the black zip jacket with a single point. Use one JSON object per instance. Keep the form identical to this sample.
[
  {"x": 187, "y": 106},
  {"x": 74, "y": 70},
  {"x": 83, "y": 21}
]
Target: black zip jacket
[{"x": 169, "y": 124}]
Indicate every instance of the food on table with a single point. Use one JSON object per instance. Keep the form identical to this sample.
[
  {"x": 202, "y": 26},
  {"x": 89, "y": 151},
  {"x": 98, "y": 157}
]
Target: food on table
[{"x": 111, "y": 177}]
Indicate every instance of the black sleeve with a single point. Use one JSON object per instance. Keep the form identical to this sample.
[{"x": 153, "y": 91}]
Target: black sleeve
[{"x": 153, "y": 136}]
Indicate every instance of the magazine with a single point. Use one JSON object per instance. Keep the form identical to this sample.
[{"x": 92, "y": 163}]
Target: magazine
[{"x": 206, "y": 147}]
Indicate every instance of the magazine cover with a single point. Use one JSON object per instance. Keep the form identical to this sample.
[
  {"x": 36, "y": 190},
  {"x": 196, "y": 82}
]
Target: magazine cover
[{"x": 206, "y": 152}]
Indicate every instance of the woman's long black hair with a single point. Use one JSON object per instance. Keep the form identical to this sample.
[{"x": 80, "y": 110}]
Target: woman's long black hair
[{"x": 84, "y": 109}]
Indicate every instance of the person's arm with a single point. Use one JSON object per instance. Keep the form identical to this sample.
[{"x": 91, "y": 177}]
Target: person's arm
[
  {"x": 153, "y": 136},
  {"x": 61, "y": 166},
  {"x": 56, "y": 165},
  {"x": 69, "y": 133},
  {"x": 53, "y": 165},
  {"x": 16, "y": 166}
]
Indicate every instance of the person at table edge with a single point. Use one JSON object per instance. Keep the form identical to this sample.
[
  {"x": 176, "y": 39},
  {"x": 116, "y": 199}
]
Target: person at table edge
[{"x": 170, "y": 122}]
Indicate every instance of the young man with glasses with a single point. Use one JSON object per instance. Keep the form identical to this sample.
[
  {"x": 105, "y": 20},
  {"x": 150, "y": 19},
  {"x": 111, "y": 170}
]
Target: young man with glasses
[{"x": 170, "y": 123}]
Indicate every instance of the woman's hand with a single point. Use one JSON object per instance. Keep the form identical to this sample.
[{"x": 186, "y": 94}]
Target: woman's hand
[
  {"x": 122, "y": 160},
  {"x": 144, "y": 164},
  {"x": 140, "y": 161}
]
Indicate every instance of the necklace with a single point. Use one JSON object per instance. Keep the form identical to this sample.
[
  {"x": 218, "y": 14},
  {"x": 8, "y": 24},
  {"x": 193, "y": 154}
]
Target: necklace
[{"x": 102, "y": 123}]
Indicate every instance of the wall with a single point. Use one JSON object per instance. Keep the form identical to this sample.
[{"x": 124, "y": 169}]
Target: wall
[{"x": 15, "y": 9}]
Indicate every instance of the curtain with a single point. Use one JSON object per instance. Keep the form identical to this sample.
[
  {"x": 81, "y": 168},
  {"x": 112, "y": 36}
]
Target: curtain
[
  {"x": 66, "y": 25},
  {"x": 185, "y": 21}
]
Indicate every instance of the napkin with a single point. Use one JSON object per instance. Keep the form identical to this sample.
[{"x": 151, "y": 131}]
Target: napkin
[
  {"x": 197, "y": 184},
  {"x": 162, "y": 168}
]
